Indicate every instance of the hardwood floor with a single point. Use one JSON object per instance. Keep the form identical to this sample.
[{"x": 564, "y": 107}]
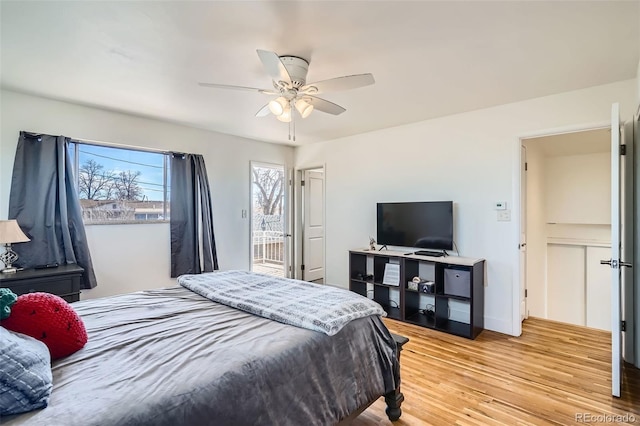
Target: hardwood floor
[{"x": 551, "y": 375}]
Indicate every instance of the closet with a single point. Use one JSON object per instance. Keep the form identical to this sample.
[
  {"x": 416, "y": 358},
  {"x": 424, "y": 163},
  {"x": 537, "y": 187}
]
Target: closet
[{"x": 568, "y": 227}]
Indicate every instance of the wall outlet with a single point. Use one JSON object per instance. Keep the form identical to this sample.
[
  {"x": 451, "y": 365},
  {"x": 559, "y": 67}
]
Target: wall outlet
[
  {"x": 504, "y": 215},
  {"x": 244, "y": 214},
  {"x": 501, "y": 205}
]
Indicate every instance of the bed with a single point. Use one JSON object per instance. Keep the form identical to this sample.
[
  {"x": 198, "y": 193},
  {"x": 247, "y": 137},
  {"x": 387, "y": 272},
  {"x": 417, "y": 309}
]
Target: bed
[{"x": 173, "y": 357}]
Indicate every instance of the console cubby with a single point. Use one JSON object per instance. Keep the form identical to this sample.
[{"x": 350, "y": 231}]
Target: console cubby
[
  {"x": 367, "y": 276},
  {"x": 358, "y": 273},
  {"x": 456, "y": 305},
  {"x": 382, "y": 294},
  {"x": 379, "y": 264},
  {"x": 417, "y": 306}
]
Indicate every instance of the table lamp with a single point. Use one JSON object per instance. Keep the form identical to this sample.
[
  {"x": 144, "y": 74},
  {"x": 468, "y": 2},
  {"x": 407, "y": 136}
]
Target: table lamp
[{"x": 10, "y": 233}]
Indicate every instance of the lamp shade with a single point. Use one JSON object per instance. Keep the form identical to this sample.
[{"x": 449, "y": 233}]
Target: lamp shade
[
  {"x": 10, "y": 232},
  {"x": 278, "y": 105},
  {"x": 286, "y": 115},
  {"x": 304, "y": 108}
]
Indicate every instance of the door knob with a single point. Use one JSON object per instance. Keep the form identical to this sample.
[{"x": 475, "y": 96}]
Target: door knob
[{"x": 616, "y": 264}]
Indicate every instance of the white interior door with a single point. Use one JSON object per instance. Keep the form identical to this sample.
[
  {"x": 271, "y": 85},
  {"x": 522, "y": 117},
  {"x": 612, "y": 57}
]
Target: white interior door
[
  {"x": 524, "y": 313},
  {"x": 615, "y": 261},
  {"x": 288, "y": 225},
  {"x": 627, "y": 189},
  {"x": 313, "y": 227}
]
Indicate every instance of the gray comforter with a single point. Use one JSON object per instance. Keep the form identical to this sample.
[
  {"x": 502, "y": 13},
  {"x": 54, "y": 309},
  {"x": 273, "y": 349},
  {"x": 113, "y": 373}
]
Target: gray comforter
[{"x": 172, "y": 357}]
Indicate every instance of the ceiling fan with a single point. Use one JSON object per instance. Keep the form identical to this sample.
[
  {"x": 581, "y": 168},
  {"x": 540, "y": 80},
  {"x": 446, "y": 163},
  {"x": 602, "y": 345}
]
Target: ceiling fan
[{"x": 289, "y": 75}]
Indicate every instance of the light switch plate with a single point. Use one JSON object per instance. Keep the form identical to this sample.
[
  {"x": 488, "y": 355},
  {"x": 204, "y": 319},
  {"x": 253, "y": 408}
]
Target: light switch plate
[
  {"x": 501, "y": 205},
  {"x": 504, "y": 215}
]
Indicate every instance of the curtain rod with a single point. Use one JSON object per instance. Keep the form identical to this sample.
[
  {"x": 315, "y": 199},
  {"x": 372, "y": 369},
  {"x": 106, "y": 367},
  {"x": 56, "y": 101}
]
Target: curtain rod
[
  {"x": 119, "y": 145},
  {"x": 108, "y": 144}
]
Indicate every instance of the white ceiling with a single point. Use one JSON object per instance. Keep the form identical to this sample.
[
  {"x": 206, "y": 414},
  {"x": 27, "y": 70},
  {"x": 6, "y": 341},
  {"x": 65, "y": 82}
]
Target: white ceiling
[{"x": 429, "y": 59}]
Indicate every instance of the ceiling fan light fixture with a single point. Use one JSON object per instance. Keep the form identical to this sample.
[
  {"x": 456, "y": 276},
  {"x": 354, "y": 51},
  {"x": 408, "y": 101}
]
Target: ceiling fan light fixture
[
  {"x": 304, "y": 108},
  {"x": 286, "y": 115},
  {"x": 278, "y": 106}
]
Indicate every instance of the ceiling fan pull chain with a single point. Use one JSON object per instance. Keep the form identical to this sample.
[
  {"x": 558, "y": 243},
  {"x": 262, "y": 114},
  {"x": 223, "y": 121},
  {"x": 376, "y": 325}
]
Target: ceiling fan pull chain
[{"x": 293, "y": 120}]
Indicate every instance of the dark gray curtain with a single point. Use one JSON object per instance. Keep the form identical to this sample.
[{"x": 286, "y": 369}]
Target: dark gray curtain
[
  {"x": 45, "y": 203},
  {"x": 193, "y": 246}
]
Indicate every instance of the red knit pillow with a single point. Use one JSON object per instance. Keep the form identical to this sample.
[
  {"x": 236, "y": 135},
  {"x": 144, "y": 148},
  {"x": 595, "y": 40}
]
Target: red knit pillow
[{"x": 51, "y": 320}]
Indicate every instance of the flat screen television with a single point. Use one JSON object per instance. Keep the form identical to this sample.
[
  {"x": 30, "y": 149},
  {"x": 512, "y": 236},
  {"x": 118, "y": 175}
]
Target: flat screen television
[{"x": 427, "y": 224}]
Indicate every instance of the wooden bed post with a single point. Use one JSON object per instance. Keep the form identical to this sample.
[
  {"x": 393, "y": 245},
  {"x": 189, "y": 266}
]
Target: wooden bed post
[{"x": 394, "y": 398}]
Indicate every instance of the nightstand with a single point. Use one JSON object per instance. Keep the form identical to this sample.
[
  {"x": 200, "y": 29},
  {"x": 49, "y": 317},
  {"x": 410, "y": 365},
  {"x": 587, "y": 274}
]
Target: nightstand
[{"x": 63, "y": 281}]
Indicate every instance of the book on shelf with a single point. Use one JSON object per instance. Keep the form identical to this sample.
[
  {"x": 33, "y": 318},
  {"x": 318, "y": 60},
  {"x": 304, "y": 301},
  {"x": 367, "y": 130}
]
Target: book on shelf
[{"x": 391, "y": 274}]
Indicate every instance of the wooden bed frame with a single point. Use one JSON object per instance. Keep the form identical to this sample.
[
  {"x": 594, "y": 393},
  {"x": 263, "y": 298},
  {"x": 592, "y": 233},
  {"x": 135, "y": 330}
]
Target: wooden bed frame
[{"x": 393, "y": 399}]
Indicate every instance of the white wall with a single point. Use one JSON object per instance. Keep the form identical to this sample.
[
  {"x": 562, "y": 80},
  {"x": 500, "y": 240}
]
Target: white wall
[
  {"x": 578, "y": 188},
  {"x": 133, "y": 257},
  {"x": 470, "y": 158}
]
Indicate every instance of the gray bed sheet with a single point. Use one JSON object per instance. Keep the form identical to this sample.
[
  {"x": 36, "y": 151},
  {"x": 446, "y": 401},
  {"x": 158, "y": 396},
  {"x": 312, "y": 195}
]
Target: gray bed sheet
[{"x": 172, "y": 357}]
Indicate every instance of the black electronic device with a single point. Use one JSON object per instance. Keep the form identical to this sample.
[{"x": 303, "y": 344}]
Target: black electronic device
[
  {"x": 428, "y": 287},
  {"x": 430, "y": 312},
  {"x": 429, "y": 253},
  {"x": 47, "y": 266},
  {"x": 364, "y": 277},
  {"x": 427, "y": 224}
]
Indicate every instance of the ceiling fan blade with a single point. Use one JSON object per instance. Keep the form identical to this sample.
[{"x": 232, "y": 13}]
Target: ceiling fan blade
[
  {"x": 264, "y": 111},
  {"x": 227, "y": 86},
  {"x": 274, "y": 66},
  {"x": 324, "y": 106},
  {"x": 339, "y": 83}
]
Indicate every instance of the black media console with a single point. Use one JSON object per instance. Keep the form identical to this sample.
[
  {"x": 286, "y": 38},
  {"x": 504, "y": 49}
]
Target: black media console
[{"x": 453, "y": 303}]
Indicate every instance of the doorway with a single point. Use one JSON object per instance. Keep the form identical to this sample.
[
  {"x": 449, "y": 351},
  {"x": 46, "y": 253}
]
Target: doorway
[
  {"x": 567, "y": 213},
  {"x": 268, "y": 220},
  {"x": 310, "y": 223}
]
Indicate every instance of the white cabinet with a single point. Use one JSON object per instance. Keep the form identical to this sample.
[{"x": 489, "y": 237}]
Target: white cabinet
[
  {"x": 566, "y": 283},
  {"x": 598, "y": 295},
  {"x": 578, "y": 287}
]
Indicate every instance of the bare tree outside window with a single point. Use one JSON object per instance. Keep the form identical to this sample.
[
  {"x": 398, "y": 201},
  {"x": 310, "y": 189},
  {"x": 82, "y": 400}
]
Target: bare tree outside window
[
  {"x": 127, "y": 187},
  {"x": 269, "y": 185},
  {"x": 94, "y": 182}
]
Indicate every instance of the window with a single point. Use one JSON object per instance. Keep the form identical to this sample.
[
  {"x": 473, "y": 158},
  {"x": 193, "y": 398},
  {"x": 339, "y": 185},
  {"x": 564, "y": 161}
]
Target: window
[{"x": 118, "y": 185}]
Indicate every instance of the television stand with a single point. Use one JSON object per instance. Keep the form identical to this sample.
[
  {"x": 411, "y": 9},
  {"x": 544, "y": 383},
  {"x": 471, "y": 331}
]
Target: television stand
[
  {"x": 453, "y": 303},
  {"x": 429, "y": 253}
]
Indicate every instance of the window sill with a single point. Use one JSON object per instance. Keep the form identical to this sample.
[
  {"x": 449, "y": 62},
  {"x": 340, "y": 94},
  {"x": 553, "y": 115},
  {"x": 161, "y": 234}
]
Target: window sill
[{"x": 127, "y": 222}]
